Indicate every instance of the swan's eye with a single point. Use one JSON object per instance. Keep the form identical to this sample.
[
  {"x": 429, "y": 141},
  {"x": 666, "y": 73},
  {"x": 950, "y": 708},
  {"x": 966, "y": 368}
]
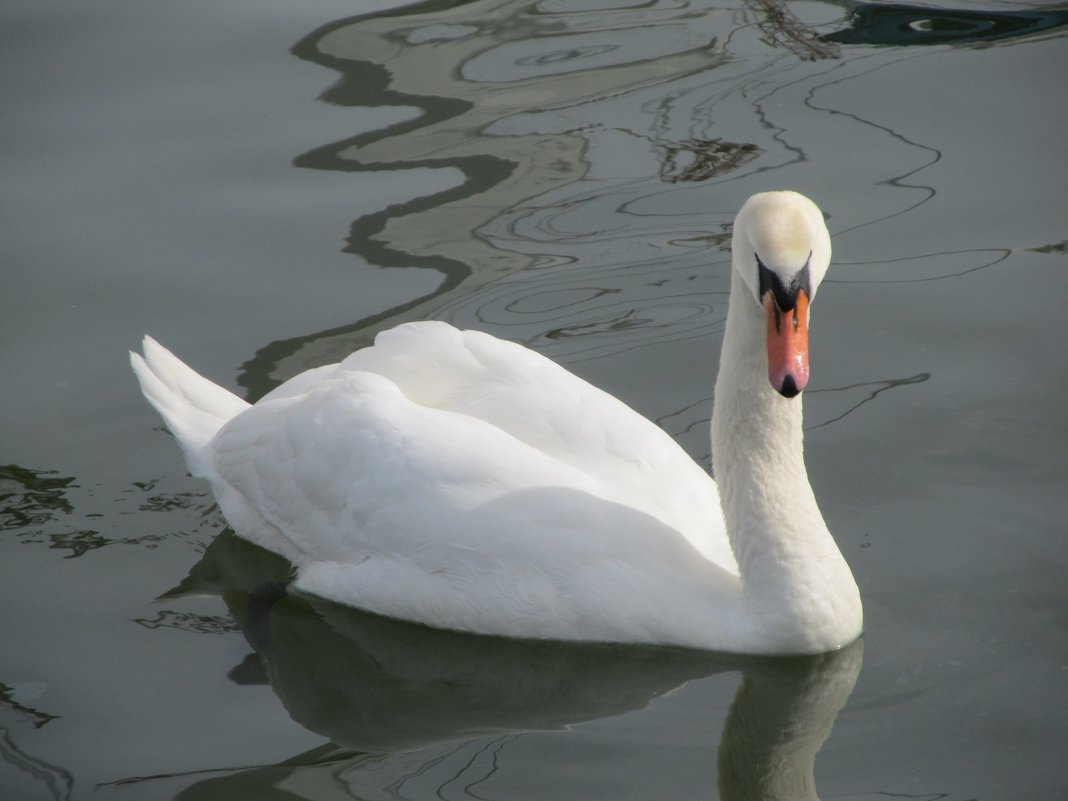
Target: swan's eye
[{"x": 785, "y": 293}]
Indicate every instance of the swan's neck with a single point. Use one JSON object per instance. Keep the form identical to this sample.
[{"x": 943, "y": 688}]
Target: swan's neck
[{"x": 798, "y": 590}]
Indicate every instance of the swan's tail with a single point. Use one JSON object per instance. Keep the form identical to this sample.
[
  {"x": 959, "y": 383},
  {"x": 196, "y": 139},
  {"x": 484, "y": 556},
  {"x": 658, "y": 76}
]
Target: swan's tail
[{"x": 192, "y": 406}]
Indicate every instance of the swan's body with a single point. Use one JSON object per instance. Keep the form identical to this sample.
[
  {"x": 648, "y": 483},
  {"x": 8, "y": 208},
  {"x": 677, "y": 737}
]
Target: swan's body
[{"x": 457, "y": 480}]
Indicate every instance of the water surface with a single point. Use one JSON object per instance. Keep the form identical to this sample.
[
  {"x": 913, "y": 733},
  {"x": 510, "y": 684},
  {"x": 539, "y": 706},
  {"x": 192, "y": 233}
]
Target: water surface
[{"x": 263, "y": 187}]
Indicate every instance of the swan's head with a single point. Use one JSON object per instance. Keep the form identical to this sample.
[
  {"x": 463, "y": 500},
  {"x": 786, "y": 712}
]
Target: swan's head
[{"x": 781, "y": 250}]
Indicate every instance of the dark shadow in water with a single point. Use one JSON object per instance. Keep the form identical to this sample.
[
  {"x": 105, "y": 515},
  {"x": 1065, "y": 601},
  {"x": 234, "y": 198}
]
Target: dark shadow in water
[
  {"x": 384, "y": 690},
  {"x": 42, "y": 506},
  {"x": 913, "y": 25},
  {"x": 32, "y": 497},
  {"x": 34, "y": 503},
  {"x": 59, "y": 781},
  {"x": 9, "y": 700}
]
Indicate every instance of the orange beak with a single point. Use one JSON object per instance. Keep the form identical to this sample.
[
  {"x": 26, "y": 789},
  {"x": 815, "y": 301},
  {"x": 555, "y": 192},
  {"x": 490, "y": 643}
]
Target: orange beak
[{"x": 787, "y": 345}]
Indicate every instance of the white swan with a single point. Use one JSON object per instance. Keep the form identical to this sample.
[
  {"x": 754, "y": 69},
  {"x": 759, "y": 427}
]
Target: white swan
[{"x": 461, "y": 481}]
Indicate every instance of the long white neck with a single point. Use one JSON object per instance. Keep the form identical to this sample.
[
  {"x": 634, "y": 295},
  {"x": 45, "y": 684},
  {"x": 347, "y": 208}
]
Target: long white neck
[{"x": 799, "y": 591}]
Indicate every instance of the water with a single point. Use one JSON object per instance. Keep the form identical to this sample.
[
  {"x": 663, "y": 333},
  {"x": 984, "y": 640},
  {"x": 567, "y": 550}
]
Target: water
[{"x": 262, "y": 186}]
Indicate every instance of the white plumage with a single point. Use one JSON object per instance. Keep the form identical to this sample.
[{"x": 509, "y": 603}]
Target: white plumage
[{"x": 458, "y": 480}]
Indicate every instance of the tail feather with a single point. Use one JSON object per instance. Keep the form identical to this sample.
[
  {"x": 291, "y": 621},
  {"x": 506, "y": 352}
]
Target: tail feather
[{"x": 193, "y": 408}]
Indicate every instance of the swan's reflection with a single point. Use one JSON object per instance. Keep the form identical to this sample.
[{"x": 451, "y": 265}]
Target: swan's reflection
[{"x": 395, "y": 696}]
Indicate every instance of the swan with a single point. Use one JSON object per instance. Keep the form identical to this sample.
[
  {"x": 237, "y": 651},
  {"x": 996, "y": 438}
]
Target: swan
[{"x": 464, "y": 482}]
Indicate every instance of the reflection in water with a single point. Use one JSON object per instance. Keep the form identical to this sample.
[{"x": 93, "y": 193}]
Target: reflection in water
[
  {"x": 59, "y": 781},
  {"x": 401, "y": 701},
  {"x": 929, "y": 267},
  {"x": 41, "y": 506},
  {"x": 587, "y": 142},
  {"x": 912, "y": 25},
  {"x": 856, "y": 395},
  {"x": 517, "y": 96},
  {"x": 780, "y": 718},
  {"x": 32, "y": 497},
  {"x": 18, "y": 704},
  {"x": 13, "y": 698},
  {"x": 781, "y": 27},
  {"x": 1060, "y": 248},
  {"x": 699, "y": 160},
  {"x": 187, "y": 621}
]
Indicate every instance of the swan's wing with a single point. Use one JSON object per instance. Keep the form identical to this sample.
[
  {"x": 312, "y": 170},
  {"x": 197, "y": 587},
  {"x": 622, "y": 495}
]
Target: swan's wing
[
  {"x": 433, "y": 515},
  {"x": 353, "y": 468},
  {"x": 552, "y": 411}
]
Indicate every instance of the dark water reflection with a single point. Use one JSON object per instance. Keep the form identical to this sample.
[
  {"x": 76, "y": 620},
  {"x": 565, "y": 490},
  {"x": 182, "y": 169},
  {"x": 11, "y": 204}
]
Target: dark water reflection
[
  {"x": 911, "y": 25},
  {"x": 507, "y": 93},
  {"x": 396, "y": 697},
  {"x": 533, "y": 103},
  {"x": 561, "y": 174}
]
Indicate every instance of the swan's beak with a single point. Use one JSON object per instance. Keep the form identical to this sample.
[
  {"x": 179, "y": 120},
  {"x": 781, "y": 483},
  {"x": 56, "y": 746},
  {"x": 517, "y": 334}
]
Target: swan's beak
[{"x": 787, "y": 344}]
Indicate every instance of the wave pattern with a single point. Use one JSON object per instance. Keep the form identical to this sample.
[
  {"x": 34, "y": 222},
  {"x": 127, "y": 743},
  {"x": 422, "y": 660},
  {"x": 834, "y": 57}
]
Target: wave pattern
[{"x": 604, "y": 153}]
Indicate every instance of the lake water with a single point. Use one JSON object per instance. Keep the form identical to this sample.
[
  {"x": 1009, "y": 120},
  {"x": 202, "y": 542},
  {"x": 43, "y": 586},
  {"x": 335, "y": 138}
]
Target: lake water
[{"x": 264, "y": 185}]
